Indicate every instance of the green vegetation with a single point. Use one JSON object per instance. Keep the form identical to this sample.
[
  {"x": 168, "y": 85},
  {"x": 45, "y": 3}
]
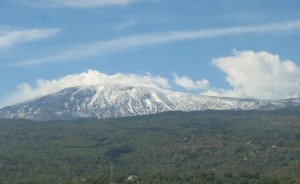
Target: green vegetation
[{"x": 175, "y": 147}]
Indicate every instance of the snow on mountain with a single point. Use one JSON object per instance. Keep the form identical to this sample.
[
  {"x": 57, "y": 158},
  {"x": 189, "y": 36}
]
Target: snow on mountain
[{"x": 103, "y": 101}]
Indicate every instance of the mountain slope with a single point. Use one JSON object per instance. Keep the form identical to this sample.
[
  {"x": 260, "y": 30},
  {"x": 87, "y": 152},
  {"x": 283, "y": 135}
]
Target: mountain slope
[{"x": 103, "y": 101}]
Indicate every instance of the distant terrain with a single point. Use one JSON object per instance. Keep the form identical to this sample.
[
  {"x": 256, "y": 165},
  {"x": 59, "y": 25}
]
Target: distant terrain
[{"x": 172, "y": 147}]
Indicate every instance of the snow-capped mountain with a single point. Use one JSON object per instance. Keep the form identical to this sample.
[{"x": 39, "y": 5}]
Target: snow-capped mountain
[{"x": 103, "y": 101}]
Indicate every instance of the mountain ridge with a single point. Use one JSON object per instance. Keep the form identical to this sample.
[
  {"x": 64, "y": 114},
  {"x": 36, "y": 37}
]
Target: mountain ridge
[{"x": 111, "y": 100}]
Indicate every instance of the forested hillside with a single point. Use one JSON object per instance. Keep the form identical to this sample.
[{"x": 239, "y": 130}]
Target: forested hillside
[{"x": 173, "y": 147}]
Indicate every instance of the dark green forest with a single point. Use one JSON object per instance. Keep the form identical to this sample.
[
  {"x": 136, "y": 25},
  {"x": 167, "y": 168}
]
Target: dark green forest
[{"x": 217, "y": 147}]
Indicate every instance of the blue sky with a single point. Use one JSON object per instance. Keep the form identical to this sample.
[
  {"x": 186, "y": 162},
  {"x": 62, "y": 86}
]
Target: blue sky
[{"x": 235, "y": 48}]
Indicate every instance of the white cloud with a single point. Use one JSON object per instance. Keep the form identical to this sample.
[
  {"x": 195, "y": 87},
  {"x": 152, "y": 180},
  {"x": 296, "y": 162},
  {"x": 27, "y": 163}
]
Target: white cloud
[
  {"x": 189, "y": 84},
  {"x": 43, "y": 87},
  {"x": 9, "y": 38},
  {"x": 138, "y": 41},
  {"x": 259, "y": 75}
]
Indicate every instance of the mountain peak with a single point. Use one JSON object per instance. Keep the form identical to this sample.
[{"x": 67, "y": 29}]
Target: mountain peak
[{"x": 111, "y": 100}]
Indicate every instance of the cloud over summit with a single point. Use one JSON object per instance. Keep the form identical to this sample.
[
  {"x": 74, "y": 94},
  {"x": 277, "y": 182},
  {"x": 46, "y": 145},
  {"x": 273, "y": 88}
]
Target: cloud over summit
[
  {"x": 259, "y": 75},
  {"x": 189, "y": 84},
  {"x": 90, "y": 77}
]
